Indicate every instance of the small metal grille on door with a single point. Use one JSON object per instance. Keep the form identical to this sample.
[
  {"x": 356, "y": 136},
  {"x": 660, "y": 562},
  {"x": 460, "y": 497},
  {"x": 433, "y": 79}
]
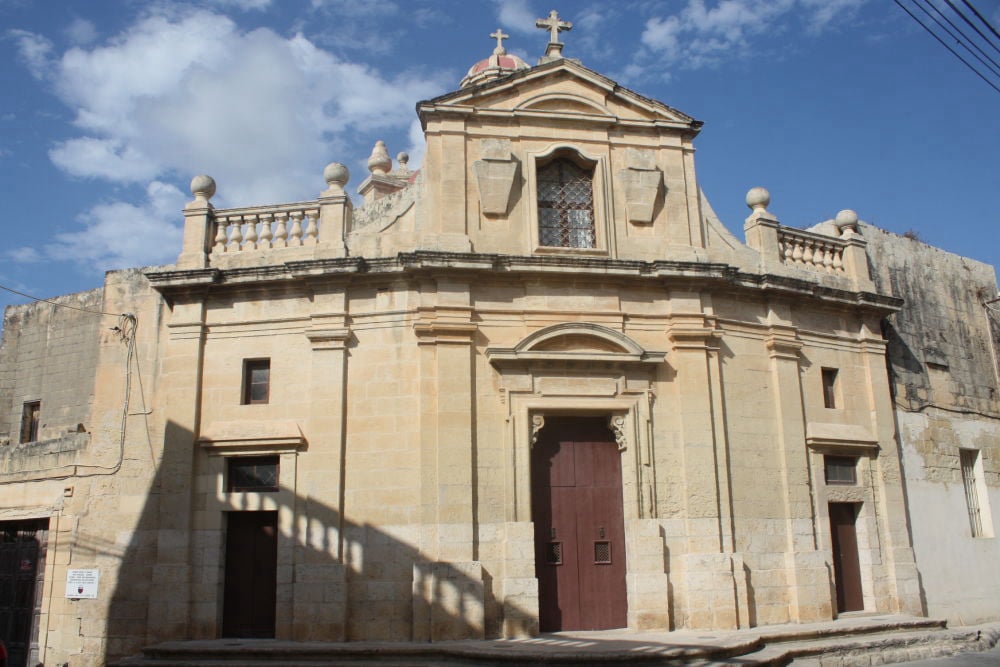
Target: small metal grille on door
[
  {"x": 553, "y": 553},
  {"x": 602, "y": 552}
]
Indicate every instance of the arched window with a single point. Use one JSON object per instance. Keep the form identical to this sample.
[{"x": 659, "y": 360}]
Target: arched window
[{"x": 566, "y": 204}]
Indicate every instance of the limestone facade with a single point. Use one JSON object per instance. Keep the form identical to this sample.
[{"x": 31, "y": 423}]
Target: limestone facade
[{"x": 416, "y": 346}]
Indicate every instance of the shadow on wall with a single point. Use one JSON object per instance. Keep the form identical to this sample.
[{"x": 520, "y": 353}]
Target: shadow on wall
[{"x": 277, "y": 563}]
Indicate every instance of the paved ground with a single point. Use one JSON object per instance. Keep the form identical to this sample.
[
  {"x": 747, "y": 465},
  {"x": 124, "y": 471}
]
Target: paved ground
[{"x": 989, "y": 658}]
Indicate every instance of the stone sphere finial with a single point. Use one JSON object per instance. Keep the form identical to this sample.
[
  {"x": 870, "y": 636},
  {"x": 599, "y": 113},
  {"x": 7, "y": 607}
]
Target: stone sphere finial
[
  {"x": 403, "y": 159},
  {"x": 379, "y": 162},
  {"x": 847, "y": 221},
  {"x": 203, "y": 187},
  {"x": 758, "y": 199},
  {"x": 336, "y": 175}
]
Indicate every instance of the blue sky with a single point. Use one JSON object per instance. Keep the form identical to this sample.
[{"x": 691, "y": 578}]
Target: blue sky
[{"x": 112, "y": 107}]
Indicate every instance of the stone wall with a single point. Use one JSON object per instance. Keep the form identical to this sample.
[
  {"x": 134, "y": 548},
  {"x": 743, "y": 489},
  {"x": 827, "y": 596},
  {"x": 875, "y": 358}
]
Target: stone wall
[{"x": 943, "y": 369}]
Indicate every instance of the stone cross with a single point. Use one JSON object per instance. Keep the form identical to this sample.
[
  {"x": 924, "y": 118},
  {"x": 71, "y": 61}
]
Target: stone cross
[
  {"x": 499, "y": 36},
  {"x": 554, "y": 26}
]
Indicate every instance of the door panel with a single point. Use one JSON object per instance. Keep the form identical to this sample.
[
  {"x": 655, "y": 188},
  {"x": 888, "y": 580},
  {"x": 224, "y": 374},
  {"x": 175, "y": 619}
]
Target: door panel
[
  {"x": 577, "y": 510},
  {"x": 251, "y": 574},
  {"x": 846, "y": 564}
]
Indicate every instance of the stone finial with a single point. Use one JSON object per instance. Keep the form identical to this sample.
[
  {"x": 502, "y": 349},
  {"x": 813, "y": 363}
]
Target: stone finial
[
  {"x": 379, "y": 162},
  {"x": 336, "y": 176},
  {"x": 403, "y": 159},
  {"x": 203, "y": 188},
  {"x": 758, "y": 199},
  {"x": 847, "y": 222}
]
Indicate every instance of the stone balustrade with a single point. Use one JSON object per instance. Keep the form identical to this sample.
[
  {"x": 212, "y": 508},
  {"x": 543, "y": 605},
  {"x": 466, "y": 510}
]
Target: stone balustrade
[
  {"x": 265, "y": 227},
  {"x": 811, "y": 251}
]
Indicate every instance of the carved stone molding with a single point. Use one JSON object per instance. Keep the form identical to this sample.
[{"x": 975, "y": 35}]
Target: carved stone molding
[
  {"x": 617, "y": 425},
  {"x": 537, "y": 424}
]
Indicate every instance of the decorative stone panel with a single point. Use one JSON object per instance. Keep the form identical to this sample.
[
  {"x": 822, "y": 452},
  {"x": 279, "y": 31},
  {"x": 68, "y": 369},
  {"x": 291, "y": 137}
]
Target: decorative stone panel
[
  {"x": 495, "y": 175},
  {"x": 641, "y": 181}
]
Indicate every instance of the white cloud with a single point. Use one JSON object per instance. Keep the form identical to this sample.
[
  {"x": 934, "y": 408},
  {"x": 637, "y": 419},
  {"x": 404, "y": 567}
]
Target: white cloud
[
  {"x": 120, "y": 234},
  {"x": 245, "y": 5},
  {"x": 516, "y": 15},
  {"x": 703, "y": 34},
  {"x": 262, "y": 113},
  {"x": 81, "y": 31},
  {"x": 184, "y": 92},
  {"x": 35, "y": 51}
]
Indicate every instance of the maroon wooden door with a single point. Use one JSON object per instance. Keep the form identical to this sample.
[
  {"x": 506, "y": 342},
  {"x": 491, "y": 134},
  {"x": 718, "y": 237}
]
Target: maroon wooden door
[
  {"x": 251, "y": 574},
  {"x": 846, "y": 566},
  {"x": 576, "y": 505}
]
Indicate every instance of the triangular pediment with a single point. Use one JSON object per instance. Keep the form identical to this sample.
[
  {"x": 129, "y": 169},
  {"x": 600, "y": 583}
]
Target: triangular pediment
[{"x": 561, "y": 88}]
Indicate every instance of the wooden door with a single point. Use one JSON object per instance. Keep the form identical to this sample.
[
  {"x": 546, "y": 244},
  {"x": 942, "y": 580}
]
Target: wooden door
[
  {"x": 846, "y": 566},
  {"x": 576, "y": 483},
  {"x": 251, "y": 574},
  {"x": 20, "y": 554}
]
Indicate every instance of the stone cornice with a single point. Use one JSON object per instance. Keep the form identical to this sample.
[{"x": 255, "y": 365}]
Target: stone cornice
[{"x": 673, "y": 273}]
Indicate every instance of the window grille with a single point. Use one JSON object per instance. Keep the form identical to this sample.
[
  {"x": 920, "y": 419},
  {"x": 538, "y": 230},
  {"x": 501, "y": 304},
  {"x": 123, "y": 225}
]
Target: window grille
[
  {"x": 968, "y": 458},
  {"x": 565, "y": 205},
  {"x": 252, "y": 473}
]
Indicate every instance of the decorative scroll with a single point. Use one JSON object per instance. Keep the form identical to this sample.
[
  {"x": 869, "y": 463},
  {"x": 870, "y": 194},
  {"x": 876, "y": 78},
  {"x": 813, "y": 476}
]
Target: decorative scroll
[
  {"x": 537, "y": 423},
  {"x": 617, "y": 425}
]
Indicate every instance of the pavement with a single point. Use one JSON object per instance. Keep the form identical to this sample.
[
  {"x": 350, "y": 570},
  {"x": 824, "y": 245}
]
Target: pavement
[{"x": 854, "y": 641}]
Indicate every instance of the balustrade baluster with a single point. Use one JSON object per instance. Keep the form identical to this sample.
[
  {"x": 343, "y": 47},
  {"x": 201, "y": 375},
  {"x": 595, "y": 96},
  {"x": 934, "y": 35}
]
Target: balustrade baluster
[
  {"x": 220, "y": 235},
  {"x": 265, "y": 230},
  {"x": 281, "y": 235},
  {"x": 250, "y": 242},
  {"x": 312, "y": 229},
  {"x": 236, "y": 237},
  {"x": 295, "y": 237}
]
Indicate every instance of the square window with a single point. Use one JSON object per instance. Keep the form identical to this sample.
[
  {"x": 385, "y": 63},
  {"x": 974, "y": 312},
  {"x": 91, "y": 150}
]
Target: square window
[
  {"x": 830, "y": 387},
  {"x": 252, "y": 473},
  {"x": 256, "y": 381},
  {"x": 840, "y": 469},
  {"x": 29, "y": 421}
]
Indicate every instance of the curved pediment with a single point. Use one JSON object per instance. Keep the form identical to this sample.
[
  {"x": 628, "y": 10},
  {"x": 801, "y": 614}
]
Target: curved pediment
[
  {"x": 575, "y": 342},
  {"x": 563, "y": 103}
]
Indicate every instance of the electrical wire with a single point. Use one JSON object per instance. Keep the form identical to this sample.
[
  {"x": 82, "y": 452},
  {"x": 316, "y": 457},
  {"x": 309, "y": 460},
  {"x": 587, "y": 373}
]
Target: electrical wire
[
  {"x": 971, "y": 24},
  {"x": 61, "y": 305},
  {"x": 945, "y": 45},
  {"x": 992, "y": 65},
  {"x": 981, "y": 18}
]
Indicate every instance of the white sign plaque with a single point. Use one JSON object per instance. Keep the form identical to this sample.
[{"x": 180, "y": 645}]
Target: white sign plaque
[{"x": 82, "y": 584}]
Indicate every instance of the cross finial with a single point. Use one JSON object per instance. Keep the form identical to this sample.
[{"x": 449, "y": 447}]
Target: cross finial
[
  {"x": 499, "y": 36},
  {"x": 554, "y": 26}
]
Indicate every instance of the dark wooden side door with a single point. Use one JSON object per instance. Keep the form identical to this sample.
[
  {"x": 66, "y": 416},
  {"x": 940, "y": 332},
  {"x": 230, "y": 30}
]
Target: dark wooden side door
[
  {"x": 846, "y": 566},
  {"x": 576, "y": 503},
  {"x": 20, "y": 554},
  {"x": 251, "y": 574}
]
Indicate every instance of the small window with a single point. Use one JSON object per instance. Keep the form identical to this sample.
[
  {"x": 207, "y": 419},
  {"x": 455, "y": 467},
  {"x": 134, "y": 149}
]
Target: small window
[
  {"x": 566, "y": 205},
  {"x": 830, "y": 387},
  {"x": 256, "y": 381},
  {"x": 29, "y": 421},
  {"x": 840, "y": 469},
  {"x": 252, "y": 473},
  {"x": 972, "y": 481}
]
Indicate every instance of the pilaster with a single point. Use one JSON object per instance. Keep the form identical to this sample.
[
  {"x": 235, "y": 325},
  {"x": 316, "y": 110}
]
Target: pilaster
[
  {"x": 808, "y": 578},
  {"x": 170, "y": 590}
]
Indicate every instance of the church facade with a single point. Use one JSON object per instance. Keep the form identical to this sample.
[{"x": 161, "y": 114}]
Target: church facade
[{"x": 534, "y": 386}]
